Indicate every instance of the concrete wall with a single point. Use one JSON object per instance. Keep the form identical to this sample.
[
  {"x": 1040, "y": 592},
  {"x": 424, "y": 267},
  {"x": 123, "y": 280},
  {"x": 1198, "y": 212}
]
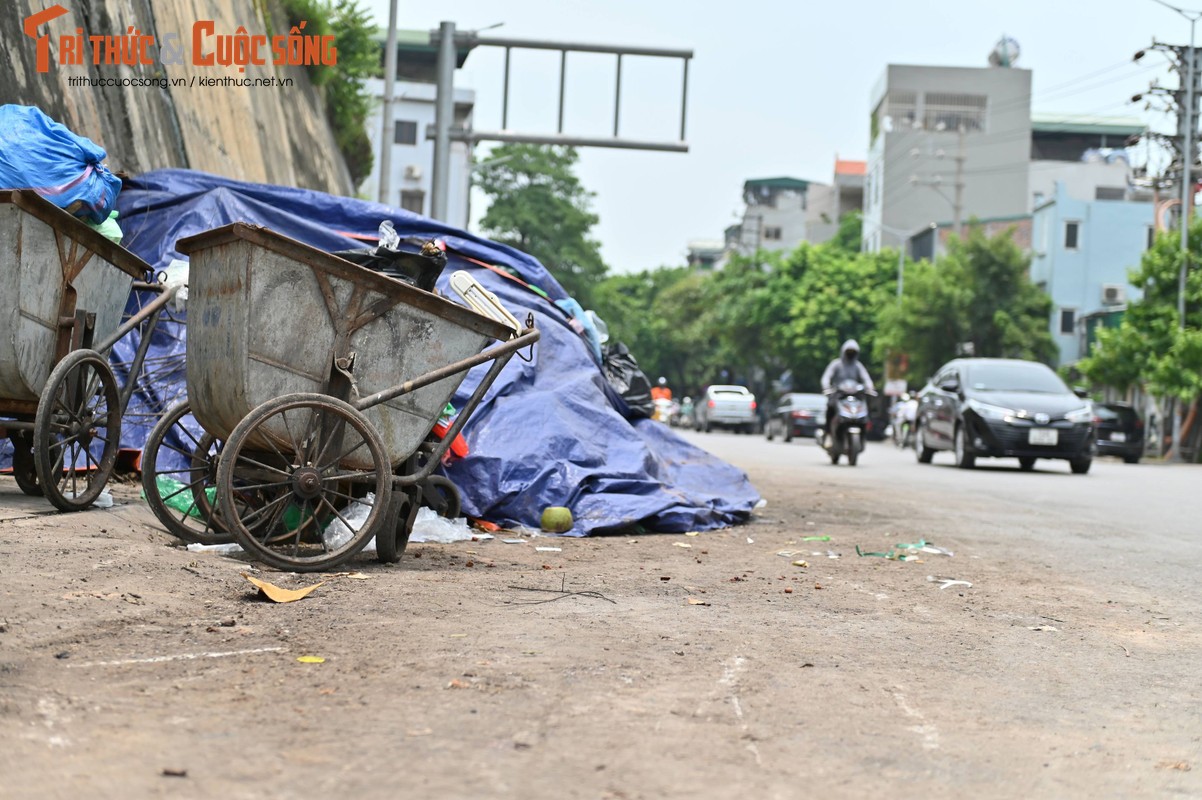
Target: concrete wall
[
  {"x": 996, "y": 157},
  {"x": 1112, "y": 237},
  {"x": 1081, "y": 179},
  {"x": 267, "y": 134}
]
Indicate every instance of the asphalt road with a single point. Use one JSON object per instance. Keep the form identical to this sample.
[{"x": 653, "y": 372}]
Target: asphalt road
[{"x": 765, "y": 660}]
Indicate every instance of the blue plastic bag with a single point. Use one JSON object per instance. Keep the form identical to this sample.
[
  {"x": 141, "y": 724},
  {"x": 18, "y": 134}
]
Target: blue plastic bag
[{"x": 40, "y": 154}]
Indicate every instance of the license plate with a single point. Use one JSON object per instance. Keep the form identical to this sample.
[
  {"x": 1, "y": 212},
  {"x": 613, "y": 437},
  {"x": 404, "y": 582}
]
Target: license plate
[
  {"x": 1118, "y": 436},
  {"x": 1043, "y": 436}
]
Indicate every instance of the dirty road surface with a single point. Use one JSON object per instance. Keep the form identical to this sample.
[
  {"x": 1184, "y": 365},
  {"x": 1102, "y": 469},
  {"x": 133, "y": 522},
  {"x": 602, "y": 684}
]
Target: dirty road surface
[{"x": 1054, "y": 653}]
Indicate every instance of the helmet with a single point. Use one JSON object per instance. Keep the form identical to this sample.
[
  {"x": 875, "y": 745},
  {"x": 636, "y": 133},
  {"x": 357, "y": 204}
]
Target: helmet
[
  {"x": 850, "y": 347},
  {"x": 662, "y": 381}
]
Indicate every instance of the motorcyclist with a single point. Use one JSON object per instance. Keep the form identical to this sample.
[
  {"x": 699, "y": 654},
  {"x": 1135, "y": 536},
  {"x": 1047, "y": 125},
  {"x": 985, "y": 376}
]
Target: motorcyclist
[
  {"x": 661, "y": 391},
  {"x": 845, "y": 368}
]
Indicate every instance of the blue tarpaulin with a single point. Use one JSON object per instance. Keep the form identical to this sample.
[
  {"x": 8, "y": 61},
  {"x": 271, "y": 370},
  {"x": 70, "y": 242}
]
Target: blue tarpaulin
[{"x": 549, "y": 432}]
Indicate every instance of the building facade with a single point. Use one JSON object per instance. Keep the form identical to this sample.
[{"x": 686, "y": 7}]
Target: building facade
[
  {"x": 829, "y": 204},
  {"x": 932, "y": 128},
  {"x": 1082, "y": 253}
]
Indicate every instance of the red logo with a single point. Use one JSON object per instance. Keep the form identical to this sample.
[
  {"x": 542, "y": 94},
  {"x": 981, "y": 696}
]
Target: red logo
[{"x": 31, "y": 30}]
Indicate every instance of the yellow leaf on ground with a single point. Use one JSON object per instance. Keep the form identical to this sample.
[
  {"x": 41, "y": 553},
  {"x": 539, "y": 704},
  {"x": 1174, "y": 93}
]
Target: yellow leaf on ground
[{"x": 278, "y": 595}]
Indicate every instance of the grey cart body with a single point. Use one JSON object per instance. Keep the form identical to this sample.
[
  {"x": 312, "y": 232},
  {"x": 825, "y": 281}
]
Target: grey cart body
[
  {"x": 64, "y": 290},
  {"x": 288, "y": 345}
]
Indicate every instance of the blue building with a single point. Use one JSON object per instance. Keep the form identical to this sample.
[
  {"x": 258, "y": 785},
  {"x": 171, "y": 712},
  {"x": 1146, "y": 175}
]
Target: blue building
[{"x": 1082, "y": 251}]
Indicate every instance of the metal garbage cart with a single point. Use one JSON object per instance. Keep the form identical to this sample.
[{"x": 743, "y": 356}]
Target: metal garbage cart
[
  {"x": 322, "y": 380},
  {"x": 64, "y": 288}
]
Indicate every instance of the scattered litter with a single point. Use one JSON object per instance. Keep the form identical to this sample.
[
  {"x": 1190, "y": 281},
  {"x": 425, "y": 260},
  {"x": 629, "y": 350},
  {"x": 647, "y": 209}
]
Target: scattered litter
[
  {"x": 816, "y": 539},
  {"x": 549, "y": 549},
  {"x": 344, "y": 526},
  {"x": 277, "y": 594},
  {"x": 801, "y": 563},
  {"x": 430, "y": 527},
  {"x": 692, "y": 533},
  {"x": 1041, "y": 627},
  {"x": 681, "y": 544},
  {"x": 171, "y": 772},
  {"x": 219, "y": 549},
  {"x": 311, "y": 659},
  {"x": 693, "y": 601},
  {"x": 761, "y": 503},
  {"x": 1182, "y": 766},
  {"x": 750, "y": 540},
  {"x": 103, "y": 500},
  {"x": 832, "y": 554},
  {"x": 946, "y": 582},
  {"x": 485, "y": 525},
  {"x": 904, "y": 552},
  {"x": 514, "y": 541},
  {"x": 930, "y": 548}
]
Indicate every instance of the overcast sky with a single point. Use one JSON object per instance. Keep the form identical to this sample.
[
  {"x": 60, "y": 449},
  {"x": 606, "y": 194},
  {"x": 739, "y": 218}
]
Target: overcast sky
[{"x": 776, "y": 87}]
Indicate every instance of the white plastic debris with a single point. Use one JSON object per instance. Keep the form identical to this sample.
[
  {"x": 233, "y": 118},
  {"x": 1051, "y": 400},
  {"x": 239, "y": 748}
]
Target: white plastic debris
[
  {"x": 219, "y": 549},
  {"x": 430, "y": 527},
  {"x": 549, "y": 549},
  {"x": 176, "y": 275},
  {"x": 103, "y": 500},
  {"x": 338, "y": 533}
]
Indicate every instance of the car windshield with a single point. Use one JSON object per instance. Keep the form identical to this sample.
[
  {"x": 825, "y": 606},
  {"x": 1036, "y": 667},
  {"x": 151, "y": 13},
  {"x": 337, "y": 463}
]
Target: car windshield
[
  {"x": 1015, "y": 377},
  {"x": 808, "y": 401}
]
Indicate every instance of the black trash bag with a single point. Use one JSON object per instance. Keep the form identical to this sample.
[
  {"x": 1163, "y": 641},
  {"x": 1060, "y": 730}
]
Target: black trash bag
[
  {"x": 624, "y": 375},
  {"x": 416, "y": 262}
]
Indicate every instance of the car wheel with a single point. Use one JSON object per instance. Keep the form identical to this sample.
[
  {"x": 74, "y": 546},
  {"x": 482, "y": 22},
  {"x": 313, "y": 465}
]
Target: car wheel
[
  {"x": 1080, "y": 466},
  {"x": 1026, "y": 464},
  {"x": 1130, "y": 459},
  {"x": 964, "y": 459},
  {"x": 924, "y": 453}
]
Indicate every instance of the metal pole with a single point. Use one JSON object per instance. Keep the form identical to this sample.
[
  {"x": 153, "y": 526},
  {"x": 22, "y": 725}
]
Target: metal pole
[
  {"x": 901, "y": 266},
  {"x": 959, "y": 204},
  {"x": 618, "y": 95},
  {"x": 1187, "y": 158},
  {"x": 505, "y": 95},
  {"x": 444, "y": 114},
  {"x": 563, "y": 73},
  {"x": 386, "y": 135},
  {"x": 684, "y": 97}
]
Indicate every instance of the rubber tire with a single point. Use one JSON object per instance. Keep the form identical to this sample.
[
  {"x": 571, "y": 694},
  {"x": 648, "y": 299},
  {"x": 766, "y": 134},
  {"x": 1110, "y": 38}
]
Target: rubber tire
[
  {"x": 923, "y": 453},
  {"x": 1130, "y": 459},
  {"x": 440, "y": 495},
  {"x": 49, "y": 471},
  {"x": 1027, "y": 463},
  {"x": 964, "y": 459},
  {"x": 226, "y": 467},
  {"x": 25, "y": 472},
  {"x": 854, "y": 445},
  {"x": 393, "y": 537},
  {"x": 768, "y": 434},
  {"x": 1080, "y": 466}
]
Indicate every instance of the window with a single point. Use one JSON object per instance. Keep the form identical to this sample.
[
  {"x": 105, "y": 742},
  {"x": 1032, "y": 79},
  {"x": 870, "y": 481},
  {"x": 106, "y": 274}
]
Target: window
[
  {"x": 1151, "y": 237},
  {"x": 902, "y": 108},
  {"x": 1068, "y": 320},
  {"x": 413, "y": 200},
  {"x": 405, "y": 133},
  {"x": 1109, "y": 193},
  {"x": 1072, "y": 232},
  {"x": 947, "y": 111},
  {"x": 772, "y": 233}
]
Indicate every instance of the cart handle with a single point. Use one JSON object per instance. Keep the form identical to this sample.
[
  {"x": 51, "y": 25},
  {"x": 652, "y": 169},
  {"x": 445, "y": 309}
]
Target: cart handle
[
  {"x": 527, "y": 337},
  {"x": 137, "y": 319}
]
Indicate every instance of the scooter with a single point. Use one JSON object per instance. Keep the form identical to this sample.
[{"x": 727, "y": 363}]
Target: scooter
[{"x": 846, "y": 430}]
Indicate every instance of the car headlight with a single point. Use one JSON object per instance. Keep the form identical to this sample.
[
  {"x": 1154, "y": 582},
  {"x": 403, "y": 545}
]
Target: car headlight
[
  {"x": 1084, "y": 414},
  {"x": 987, "y": 411}
]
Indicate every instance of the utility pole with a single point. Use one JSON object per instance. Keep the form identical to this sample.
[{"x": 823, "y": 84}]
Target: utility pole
[
  {"x": 1187, "y": 126},
  {"x": 386, "y": 135},
  {"x": 958, "y": 209},
  {"x": 444, "y": 114},
  {"x": 957, "y": 200}
]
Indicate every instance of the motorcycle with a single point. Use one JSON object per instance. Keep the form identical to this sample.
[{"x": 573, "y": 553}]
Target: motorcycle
[
  {"x": 903, "y": 423},
  {"x": 845, "y": 435}
]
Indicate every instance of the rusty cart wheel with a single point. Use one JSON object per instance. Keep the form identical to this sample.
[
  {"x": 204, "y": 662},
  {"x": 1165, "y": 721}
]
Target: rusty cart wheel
[
  {"x": 79, "y": 413},
  {"x": 179, "y": 478},
  {"x": 25, "y": 473},
  {"x": 308, "y": 458}
]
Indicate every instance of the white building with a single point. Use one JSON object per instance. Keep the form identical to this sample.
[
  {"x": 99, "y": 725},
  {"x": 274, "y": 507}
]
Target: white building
[{"x": 413, "y": 152}]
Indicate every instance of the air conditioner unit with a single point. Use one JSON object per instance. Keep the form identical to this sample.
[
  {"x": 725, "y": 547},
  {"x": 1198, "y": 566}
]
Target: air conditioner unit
[
  {"x": 413, "y": 172},
  {"x": 1113, "y": 294}
]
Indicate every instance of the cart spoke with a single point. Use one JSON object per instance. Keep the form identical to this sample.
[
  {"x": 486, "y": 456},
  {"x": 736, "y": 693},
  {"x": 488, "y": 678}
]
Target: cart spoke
[
  {"x": 245, "y": 460},
  {"x": 341, "y": 458},
  {"x": 348, "y": 525}
]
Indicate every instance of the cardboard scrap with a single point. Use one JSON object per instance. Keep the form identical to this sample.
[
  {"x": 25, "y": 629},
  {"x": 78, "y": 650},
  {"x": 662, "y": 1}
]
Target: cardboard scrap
[{"x": 277, "y": 594}]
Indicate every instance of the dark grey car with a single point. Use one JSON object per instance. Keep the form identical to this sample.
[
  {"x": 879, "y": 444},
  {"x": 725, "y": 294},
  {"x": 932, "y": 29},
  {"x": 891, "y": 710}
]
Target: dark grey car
[{"x": 995, "y": 407}]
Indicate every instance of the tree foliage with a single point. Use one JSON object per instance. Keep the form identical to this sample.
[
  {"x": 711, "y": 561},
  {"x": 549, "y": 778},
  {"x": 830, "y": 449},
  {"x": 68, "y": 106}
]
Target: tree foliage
[
  {"x": 762, "y": 316},
  {"x": 538, "y": 205},
  {"x": 1149, "y": 348}
]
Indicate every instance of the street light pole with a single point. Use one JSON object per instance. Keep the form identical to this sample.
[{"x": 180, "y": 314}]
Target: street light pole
[{"x": 386, "y": 135}]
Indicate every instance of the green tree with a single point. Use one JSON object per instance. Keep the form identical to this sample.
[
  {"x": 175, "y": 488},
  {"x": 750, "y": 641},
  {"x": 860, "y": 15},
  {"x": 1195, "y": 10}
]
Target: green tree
[
  {"x": 537, "y": 204},
  {"x": 977, "y": 298}
]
